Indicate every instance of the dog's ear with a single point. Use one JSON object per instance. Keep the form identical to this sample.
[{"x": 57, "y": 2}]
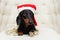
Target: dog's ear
[{"x": 18, "y": 20}]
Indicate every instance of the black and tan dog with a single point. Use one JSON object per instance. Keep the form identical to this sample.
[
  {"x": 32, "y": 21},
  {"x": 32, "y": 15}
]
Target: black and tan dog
[{"x": 25, "y": 23}]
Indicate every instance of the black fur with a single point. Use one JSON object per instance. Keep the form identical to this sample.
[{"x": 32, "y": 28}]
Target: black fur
[{"x": 22, "y": 27}]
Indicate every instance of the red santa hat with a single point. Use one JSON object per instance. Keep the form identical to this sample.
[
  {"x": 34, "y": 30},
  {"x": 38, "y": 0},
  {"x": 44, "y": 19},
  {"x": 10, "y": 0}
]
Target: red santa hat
[{"x": 31, "y": 7}]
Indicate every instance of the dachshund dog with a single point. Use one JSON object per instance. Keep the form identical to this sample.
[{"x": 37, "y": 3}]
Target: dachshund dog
[{"x": 25, "y": 23}]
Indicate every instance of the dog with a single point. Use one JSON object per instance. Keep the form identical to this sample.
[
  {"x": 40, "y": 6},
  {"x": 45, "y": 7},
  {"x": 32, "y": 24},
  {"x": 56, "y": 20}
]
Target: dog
[{"x": 25, "y": 23}]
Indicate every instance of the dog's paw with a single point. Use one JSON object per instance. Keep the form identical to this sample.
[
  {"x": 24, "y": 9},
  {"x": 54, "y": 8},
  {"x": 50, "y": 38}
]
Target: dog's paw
[
  {"x": 36, "y": 32},
  {"x": 31, "y": 34}
]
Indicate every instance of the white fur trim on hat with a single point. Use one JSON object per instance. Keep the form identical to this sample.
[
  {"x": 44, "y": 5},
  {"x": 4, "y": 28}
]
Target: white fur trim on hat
[{"x": 32, "y": 9}]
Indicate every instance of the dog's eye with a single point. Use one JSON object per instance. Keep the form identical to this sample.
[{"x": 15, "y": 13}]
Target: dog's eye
[{"x": 24, "y": 16}]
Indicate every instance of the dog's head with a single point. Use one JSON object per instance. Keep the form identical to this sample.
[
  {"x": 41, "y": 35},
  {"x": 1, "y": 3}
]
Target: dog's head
[{"x": 26, "y": 15}]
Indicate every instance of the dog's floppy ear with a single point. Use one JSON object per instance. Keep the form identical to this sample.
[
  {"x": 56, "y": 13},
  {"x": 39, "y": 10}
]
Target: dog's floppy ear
[{"x": 18, "y": 20}]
